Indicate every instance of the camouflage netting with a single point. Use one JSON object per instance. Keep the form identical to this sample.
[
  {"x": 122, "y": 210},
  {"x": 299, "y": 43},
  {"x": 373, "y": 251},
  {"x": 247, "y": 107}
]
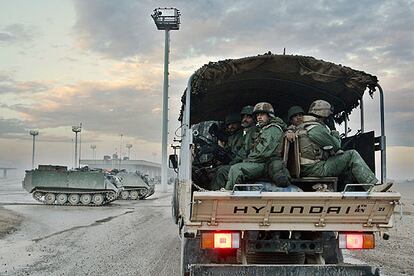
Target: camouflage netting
[{"x": 219, "y": 88}]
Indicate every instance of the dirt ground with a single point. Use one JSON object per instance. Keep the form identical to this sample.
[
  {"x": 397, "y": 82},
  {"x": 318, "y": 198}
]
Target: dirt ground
[
  {"x": 396, "y": 255},
  {"x": 9, "y": 221},
  {"x": 36, "y": 248}
]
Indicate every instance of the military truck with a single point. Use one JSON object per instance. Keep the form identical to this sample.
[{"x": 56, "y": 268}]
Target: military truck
[
  {"x": 135, "y": 185},
  {"x": 253, "y": 230},
  {"x": 56, "y": 185}
]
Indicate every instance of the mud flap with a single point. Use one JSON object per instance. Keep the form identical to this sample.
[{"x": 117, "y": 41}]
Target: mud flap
[{"x": 282, "y": 270}]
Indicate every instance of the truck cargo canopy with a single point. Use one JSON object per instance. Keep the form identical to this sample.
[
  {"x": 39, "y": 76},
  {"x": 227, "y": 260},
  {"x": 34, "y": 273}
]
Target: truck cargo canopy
[{"x": 219, "y": 88}]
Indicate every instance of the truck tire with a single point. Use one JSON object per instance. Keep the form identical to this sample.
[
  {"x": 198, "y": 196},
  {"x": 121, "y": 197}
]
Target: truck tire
[
  {"x": 190, "y": 254},
  {"x": 331, "y": 251}
]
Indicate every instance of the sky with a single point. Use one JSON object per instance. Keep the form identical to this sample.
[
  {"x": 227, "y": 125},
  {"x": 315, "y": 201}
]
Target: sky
[{"x": 100, "y": 63}]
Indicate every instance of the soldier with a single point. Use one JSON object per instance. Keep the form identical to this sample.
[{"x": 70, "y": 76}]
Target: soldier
[
  {"x": 234, "y": 146},
  {"x": 235, "y": 134},
  {"x": 249, "y": 132},
  {"x": 295, "y": 117},
  {"x": 320, "y": 149},
  {"x": 265, "y": 155}
]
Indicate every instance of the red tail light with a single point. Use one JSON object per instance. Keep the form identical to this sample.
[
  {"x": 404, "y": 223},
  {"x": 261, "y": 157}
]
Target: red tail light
[
  {"x": 220, "y": 240},
  {"x": 356, "y": 241}
]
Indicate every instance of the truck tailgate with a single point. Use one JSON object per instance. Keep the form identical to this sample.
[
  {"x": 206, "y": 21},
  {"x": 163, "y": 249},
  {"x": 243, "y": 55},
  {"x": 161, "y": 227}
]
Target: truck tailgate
[{"x": 293, "y": 211}]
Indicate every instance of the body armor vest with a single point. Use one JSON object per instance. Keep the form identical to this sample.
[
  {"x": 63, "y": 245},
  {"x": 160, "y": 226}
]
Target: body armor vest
[{"x": 310, "y": 152}]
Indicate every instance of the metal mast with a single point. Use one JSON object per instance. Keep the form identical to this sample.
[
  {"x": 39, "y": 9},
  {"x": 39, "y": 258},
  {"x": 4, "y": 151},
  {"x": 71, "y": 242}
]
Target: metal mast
[
  {"x": 165, "y": 19},
  {"x": 34, "y": 133},
  {"x": 76, "y": 129}
]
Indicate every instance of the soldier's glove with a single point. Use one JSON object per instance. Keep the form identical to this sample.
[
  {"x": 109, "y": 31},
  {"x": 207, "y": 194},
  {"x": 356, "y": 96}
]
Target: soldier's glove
[
  {"x": 335, "y": 133},
  {"x": 290, "y": 136}
]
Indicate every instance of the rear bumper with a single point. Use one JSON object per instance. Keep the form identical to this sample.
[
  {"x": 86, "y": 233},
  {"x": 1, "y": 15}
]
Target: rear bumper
[{"x": 282, "y": 270}]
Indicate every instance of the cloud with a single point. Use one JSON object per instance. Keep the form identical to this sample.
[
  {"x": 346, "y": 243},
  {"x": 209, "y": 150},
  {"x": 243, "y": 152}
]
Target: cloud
[
  {"x": 101, "y": 107},
  {"x": 9, "y": 85},
  {"x": 12, "y": 127},
  {"x": 112, "y": 28},
  {"x": 399, "y": 118},
  {"x": 325, "y": 28},
  {"x": 16, "y": 33}
]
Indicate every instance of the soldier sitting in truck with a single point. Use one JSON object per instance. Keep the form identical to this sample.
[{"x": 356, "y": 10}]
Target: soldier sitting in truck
[
  {"x": 295, "y": 118},
  {"x": 321, "y": 154},
  {"x": 233, "y": 146},
  {"x": 239, "y": 152},
  {"x": 264, "y": 158}
]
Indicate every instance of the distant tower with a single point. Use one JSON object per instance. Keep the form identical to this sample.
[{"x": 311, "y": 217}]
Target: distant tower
[
  {"x": 34, "y": 133},
  {"x": 76, "y": 129},
  {"x": 93, "y": 147},
  {"x": 165, "y": 19},
  {"x": 129, "y": 146}
]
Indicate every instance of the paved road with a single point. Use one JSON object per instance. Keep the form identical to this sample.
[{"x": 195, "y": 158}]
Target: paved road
[{"x": 125, "y": 238}]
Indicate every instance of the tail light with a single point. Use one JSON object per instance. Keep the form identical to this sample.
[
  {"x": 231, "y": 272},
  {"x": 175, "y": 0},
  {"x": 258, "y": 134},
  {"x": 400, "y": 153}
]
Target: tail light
[
  {"x": 356, "y": 240},
  {"x": 220, "y": 240}
]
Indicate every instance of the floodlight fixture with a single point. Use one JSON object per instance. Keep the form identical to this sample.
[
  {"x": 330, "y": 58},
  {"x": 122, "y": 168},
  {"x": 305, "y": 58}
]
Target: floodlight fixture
[
  {"x": 34, "y": 133},
  {"x": 166, "y": 18},
  {"x": 76, "y": 129}
]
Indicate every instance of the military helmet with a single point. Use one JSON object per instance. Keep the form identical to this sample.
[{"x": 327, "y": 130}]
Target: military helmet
[
  {"x": 264, "y": 107},
  {"x": 320, "y": 108},
  {"x": 232, "y": 118},
  {"x": 295, "y": 110},
  {"x": 247, "y": 110}
]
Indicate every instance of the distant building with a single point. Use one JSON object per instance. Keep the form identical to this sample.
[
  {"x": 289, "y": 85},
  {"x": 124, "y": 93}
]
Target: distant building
[{"x": 152, "y": 169}]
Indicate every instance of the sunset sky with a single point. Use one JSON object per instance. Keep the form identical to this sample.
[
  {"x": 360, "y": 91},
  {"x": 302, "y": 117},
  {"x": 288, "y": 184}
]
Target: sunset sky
[{"x": 101, "y": 63}]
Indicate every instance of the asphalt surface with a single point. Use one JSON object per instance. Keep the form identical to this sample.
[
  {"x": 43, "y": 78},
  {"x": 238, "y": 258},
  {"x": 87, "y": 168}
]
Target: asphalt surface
[{"x": 124, "y": 238}]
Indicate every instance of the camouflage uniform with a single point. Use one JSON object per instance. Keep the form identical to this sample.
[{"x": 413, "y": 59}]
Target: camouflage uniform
[
  {"x": 235, "y": 145},
  {"x": 263, "y": 158},
  {"x": 313, "y": 137}
]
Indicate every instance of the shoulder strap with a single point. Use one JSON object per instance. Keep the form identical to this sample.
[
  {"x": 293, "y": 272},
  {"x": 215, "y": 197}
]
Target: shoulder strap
[{"x": 273, "y": 124}]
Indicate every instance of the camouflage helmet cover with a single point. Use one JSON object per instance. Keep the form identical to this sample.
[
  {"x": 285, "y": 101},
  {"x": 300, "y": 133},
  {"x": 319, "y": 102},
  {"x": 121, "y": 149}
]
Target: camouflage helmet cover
[
  {"x": 264, "y": 107},
  {"x": 232, "y": 118},
  {"x": 320, "y": 108},
  {"x": 247, "y": 110},
  {"x": 295, "y": 110}
]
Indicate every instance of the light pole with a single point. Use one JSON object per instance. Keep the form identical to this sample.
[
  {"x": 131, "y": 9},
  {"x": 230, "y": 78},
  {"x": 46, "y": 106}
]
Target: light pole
[
  {"x": 165, "y": 19},
  {"x": 129, "y": 146},
  {"x": 34, "y": 133},
  {"x": 93, "y": 147},
  {"x": 76, "y": 129}
]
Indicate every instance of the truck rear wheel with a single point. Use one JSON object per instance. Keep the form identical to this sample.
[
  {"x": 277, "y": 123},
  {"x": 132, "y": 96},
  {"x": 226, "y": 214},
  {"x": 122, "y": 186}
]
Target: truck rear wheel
[{"x": 331, "y": 251}]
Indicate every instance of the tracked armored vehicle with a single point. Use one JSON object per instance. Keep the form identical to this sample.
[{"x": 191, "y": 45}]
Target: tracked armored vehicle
[
  {"x": 135, "y": 186},
  {"x": 56, "y": 185}
]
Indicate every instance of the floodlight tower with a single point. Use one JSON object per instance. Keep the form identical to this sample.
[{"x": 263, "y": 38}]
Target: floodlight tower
[
  {"x": 165, "y": 19},
  {"x": 93, "y": 147},
  {"x": 76, "y": 129},
  {"x": 129, "y": 146},
  {"x": 34, "y": 133}
]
